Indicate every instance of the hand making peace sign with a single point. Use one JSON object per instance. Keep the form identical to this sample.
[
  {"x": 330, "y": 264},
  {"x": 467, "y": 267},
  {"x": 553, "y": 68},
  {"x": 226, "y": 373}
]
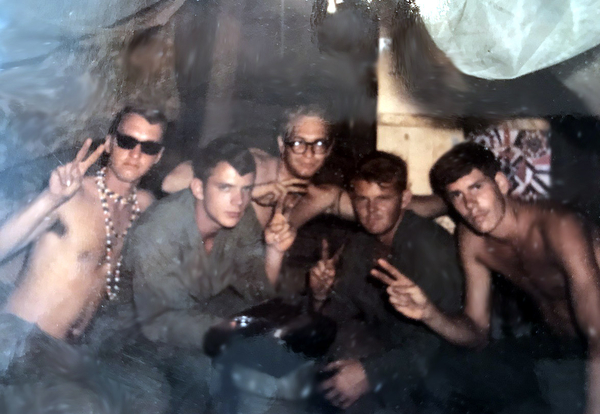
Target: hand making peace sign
[
  {"x": 405, "y": 296},
  {"x": 66, "y": 180},
  {"x": 279, "y": 233},
  {"x": 322, "y": 275}
]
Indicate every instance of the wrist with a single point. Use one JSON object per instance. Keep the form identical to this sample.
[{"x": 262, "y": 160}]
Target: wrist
[
  {"x": 52, "y": 200},
  {"x": 273, "y": 249},
  {"x": 430, "y": 315}
]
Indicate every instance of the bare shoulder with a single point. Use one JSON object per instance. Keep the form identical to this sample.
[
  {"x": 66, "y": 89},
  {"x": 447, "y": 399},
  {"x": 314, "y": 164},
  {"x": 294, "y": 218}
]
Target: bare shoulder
[
  {"x": 266, "y": 166},
  {"x": 145, "y": 198},
  {"x": 557, "y": 221},
  {"x": 260, "y": 155},
  {"x": 470, "y": 243}
]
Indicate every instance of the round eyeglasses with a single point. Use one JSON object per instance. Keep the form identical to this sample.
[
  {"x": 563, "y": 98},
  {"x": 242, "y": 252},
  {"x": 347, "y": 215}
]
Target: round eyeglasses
[{"x": 299, "y": 146}]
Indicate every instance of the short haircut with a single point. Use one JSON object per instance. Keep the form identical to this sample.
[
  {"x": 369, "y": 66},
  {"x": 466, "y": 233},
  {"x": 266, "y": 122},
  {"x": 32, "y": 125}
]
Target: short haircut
[
  {"x": 153, "y": 116},
  {"x": 382, "y": 168},
  {"x": 223, "y": 149},
  {"x": 460, "y": 161},
  {"x": 294, "y": 116}
]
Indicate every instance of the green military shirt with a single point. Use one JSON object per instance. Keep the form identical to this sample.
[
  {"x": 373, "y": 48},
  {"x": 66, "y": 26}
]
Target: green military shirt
[
  {"x": 424, "y": 252},
  {"x": 179, "y": 290}
]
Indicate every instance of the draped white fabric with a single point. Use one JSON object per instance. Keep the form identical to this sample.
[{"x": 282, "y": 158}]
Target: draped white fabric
[{"x": 504, "y": 39}]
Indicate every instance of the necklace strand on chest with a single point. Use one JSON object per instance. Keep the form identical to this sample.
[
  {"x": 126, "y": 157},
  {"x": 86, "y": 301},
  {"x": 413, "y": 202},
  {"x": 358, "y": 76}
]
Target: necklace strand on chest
[{"x": 113, "y": 274}]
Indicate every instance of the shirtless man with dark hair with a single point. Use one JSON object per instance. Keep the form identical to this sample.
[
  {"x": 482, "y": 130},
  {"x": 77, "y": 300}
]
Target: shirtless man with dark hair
[
  {"x": 77, "y": 226},
  {"x": 304, "y": 145},
  {"x": 549, "y": 253}
]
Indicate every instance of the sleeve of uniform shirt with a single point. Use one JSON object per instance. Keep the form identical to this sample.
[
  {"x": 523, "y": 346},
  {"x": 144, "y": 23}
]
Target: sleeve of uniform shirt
[{"x": 162, "y": 280}]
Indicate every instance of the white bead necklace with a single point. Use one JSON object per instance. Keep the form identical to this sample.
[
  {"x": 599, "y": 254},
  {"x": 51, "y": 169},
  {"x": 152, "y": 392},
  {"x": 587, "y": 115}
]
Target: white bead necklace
[{"x": 113, "y": 275}]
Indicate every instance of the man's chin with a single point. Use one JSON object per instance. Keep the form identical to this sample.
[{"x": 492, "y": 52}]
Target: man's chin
[
  {"x": 229, "y": 224},
  {"x": 480, "y": 228},
  {"x": 127, "y": 177},
  {"x": 375, "y": 231},
  {"x": 304, "y": 173}
]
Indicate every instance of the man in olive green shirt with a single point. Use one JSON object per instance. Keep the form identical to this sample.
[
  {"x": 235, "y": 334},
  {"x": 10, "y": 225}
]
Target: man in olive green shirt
[{"x": 197, "y": 257}]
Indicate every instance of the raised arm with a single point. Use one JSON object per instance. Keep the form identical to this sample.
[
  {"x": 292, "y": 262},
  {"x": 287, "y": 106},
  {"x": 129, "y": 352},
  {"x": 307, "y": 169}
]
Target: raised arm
[
  {"x": 179, "y": 178},
  {"x": 573, "y": 248},
  {"x": 469, "y": 328},
  {"x": 323, "y": 199},
  {"x": 37, "y": 216},
  {"x": 428, "y": 205},
  {"x": 279, "y": 237}
]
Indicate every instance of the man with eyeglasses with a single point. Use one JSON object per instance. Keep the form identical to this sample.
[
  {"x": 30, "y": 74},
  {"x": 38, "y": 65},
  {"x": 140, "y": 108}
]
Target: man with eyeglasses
[
  {"x": 304, "y": 146},
  {"x": 76, "y": 229}
]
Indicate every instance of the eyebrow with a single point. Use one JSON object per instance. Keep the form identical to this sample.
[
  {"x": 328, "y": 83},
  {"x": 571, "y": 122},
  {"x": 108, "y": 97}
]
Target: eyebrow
[{"x": 475, "y": 183}]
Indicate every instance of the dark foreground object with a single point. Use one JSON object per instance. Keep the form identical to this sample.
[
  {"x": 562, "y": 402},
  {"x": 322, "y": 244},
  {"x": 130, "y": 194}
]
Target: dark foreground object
[{"x": 267, "y": 358}]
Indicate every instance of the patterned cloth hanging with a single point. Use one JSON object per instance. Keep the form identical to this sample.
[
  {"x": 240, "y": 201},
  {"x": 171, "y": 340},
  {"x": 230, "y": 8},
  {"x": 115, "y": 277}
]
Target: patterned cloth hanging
[{"x": 525, "y": 156}]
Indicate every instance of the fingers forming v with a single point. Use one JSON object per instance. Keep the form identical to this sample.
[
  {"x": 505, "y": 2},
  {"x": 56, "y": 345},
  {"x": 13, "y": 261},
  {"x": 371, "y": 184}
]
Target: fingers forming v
[
  {"x": 338, "y": 253},
  {"x": 324, "y": 249},
  {"x": 394, "y": 273},
  {"x": 83, "y": 151},
  {"x": 378, "y": 274},
  {"x": 85, "y": 165}
]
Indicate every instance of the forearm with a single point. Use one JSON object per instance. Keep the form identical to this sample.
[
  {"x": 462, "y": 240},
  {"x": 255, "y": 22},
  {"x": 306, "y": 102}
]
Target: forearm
[
  {"x": 458, "y": 329},
  {"x": 24, "y": 226},
  {"x": 273, "y": 263},
  {"x": 428, "y": 206}
]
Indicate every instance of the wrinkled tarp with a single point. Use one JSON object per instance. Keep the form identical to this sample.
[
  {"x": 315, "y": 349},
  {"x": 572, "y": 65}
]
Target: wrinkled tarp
[
  {"x": 61, "y": 72},
  {"x": 32, "y": 28},
  {"x": 63, "y": 75},
  {"x": 505, "y": 39}
]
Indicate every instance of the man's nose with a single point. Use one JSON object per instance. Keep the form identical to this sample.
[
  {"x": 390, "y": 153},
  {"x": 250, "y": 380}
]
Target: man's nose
[
  {"x": 310, "y": 151},
  {"x": 470, "y": 202},
  {"x": 237, "y": 198},
  {"x": 372, "y": 207},
  {"x": 136, "y": 152}
]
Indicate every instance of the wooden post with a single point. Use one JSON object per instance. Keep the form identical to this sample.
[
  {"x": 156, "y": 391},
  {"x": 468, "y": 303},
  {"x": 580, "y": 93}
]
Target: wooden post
[{"x": 218, "y": 115}]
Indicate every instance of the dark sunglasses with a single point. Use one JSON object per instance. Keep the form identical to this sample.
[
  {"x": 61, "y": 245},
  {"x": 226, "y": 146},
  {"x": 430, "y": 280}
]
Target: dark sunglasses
[{"x": 129, "y": 143}]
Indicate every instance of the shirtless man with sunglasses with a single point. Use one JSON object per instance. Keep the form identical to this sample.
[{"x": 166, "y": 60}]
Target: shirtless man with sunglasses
[
  {"x": 303, "y": 149},
  {"x": 78, "y": 224},
  {"x": 76, "y": 228}
]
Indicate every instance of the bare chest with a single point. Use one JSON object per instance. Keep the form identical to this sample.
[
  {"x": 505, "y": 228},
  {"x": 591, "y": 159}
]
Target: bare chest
[
  {"x": 530, "y": 266},
  {"x": 90, "y": 233}
]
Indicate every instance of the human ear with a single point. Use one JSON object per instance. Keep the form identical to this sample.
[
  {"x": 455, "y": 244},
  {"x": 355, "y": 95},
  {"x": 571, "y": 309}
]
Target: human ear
[
  {"x": 280, "y": 144},
  {"x": 502, "y": 182},
  {"x": 197, "y": 188}
]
